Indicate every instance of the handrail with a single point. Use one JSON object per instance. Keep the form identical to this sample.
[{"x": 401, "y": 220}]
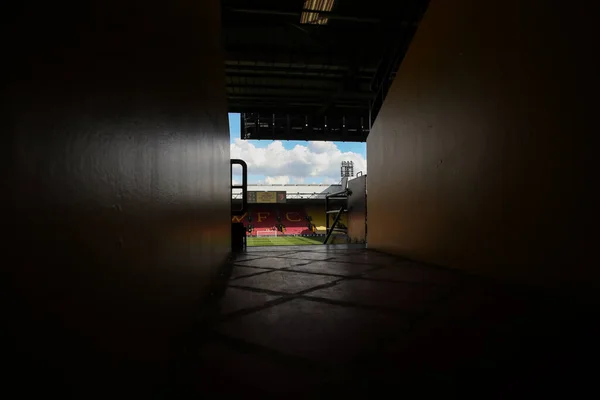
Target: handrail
[
  {"x": 345, "y": 191},
  {"x": 243, "y": 186},
  {"x": 343, "y": 194},
  {"x": 335, "y": 222}
]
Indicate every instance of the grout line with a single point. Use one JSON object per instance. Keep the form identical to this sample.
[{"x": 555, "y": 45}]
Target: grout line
[
  {"x": 324, "y": 286},
  {"x": 380, "y": 263},
  {"x": 266, "y": 271},
  {"x": 357, "y": 276},
  {"x": 299, "y": 293},
  {"x": 349, "y": 304},
  {"x": 250, "y": 266},
  {"x": 290, "y": 269},
  {"x": 269, "y": 268},
  {"x": 305, "y": 295},
  {"x": 250, "y": 310},
  {"x": 259, "y": 290},
  {"x": 399, "y": 282},
  {"x": 307, "y": 259},
  {"x": 333, "y": 259}
]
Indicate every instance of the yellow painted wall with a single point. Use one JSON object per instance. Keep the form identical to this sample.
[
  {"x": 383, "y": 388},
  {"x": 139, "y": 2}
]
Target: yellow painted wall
[
  {"x": 483, "y": 144},
  {"x": 319, "y": 217}
]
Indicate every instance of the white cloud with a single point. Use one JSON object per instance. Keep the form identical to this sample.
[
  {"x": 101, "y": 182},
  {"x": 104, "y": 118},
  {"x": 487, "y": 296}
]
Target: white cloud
[
  {"x": 272, "y": 180},
  {"x": 322, "y": 147},
  {"x": 316, "y": 162}
]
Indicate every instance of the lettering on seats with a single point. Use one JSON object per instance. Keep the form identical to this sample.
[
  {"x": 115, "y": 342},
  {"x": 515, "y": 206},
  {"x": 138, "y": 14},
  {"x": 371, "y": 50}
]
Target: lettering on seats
[
  {"x": 287, "y": 215},
  {"x": 238, "y": 218},
  {"x": 260, "y": 216}
]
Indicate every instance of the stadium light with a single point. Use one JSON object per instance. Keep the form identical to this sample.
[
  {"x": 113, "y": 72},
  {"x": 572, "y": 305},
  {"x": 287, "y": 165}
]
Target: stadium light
[
  {"x": 311, "y": 13},
  {"x": 347, "y": 169}
]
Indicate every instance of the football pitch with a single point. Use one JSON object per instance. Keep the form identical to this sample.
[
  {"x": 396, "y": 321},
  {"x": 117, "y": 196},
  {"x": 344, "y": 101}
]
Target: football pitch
[{"x": 284, "y": 240}]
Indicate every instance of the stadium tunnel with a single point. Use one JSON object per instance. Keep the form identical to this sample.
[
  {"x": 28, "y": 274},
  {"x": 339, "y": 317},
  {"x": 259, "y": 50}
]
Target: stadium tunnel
[{"x": 478, "y": 118}]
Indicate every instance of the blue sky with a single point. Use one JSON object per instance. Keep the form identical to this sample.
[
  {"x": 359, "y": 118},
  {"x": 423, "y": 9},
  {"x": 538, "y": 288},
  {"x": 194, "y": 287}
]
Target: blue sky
[{"x": 294, "y": 161}]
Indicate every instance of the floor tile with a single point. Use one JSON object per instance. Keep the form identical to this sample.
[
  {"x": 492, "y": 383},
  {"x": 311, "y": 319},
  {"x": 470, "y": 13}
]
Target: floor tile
[
  {"x": 239, "y": 271},
  {"x": 409, "y": 297},
  {"x": 335, "y": 268},
  {"x": 269, "y": 262},
  {"x": 233, "y": 371},
  {"x": 307, "y": 255},
  {"x": 474, "y": 324},
  {"x": 413, "y": 272},
  {"x": 247, "y": 256},
  {"x": 238, "y": 299},
  {"x": 458, "y": 329},
  {"x": 368, "y": 257},
  {"x": 284, "y": 282},
  {"x": 339, "y": 251},
  {"x": 314, "y": 330}
]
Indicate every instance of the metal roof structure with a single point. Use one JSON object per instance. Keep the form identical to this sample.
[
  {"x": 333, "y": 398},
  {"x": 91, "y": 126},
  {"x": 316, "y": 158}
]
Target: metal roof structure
[
  {"x": 313, "y": 69},
  {"x": 294, "y": 191}
]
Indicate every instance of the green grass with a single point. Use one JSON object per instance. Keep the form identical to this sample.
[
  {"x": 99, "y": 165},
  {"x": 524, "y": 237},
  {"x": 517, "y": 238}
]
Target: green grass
[{"x": 284, "y": 240}]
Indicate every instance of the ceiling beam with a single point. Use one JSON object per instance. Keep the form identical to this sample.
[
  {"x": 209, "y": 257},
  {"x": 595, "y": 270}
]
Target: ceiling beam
[
  {"x": 297, "y": 14},
  {"x": 298, "y": 57},
  {"x": 293, "y": 94},
  {"x": 305, "y": 77},
  {"x": 282, "y": 104},
  {"x": 299, "y": 84},
  {"x": 286, "y": 67},
  {"x": 301, "y": 88}
]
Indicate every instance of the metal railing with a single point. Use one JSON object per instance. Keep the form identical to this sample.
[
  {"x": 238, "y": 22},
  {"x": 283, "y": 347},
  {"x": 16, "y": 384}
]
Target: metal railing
[
  {"x": 243, "y": 186},
  {"x": 341, "y": 195}
]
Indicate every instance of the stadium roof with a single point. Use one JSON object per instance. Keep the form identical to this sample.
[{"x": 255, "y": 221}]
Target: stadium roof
[
  {"x": 313, "y": 69},
  {"x": 295, "y": 191}
]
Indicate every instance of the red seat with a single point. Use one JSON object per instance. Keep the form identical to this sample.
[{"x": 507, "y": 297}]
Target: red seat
[{"x": 264, "y": 217}]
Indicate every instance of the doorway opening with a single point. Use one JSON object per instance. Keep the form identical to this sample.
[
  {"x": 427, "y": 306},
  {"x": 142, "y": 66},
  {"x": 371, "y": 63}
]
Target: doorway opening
[{"x": 294, "y": 188}]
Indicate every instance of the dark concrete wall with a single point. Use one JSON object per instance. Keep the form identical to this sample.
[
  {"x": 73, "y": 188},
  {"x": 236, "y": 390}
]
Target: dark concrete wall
[
  {"x": 119, "y": 184},
  {"x": 480, "y": 158}
]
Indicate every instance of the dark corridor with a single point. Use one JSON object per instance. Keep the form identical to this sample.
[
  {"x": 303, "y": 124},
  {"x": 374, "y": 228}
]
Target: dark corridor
[
  {"x": 118, "y": 192},
  {"x": 322, "y": 322}
]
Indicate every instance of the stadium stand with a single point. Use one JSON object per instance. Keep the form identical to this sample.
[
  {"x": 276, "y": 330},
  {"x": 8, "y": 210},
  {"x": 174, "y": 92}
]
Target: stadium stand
[
  {"x": 265, "y": 217},
  {"x": 302, "y": 213}
]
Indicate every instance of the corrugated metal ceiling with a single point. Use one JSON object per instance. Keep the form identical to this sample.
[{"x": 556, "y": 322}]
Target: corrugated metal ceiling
[{"x": 275, "y": 64}]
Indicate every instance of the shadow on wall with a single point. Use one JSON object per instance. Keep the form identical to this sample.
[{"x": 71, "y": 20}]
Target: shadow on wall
[{"x": 120, "y": 190}]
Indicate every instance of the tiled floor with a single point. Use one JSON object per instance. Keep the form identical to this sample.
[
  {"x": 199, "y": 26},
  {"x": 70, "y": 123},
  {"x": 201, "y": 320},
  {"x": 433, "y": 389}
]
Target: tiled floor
[{"x": 322, "y": 322}]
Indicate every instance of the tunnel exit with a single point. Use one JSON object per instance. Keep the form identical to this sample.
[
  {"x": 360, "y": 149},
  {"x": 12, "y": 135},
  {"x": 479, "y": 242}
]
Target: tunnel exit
[{"x": 298, "y": 192}]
